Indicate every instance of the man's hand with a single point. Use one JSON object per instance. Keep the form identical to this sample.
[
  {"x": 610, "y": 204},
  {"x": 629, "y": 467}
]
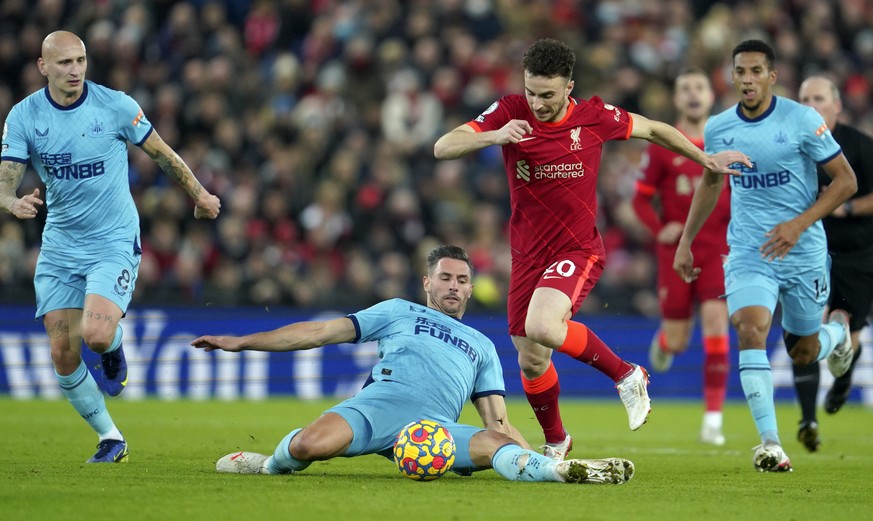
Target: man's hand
[
  {"x": 683, "y": 264},
  {"x": 207, "y": 206},
  {"x": 513, "y": 132},
  {"x": 223, "y": 343},
  {"x": 782, "y": 238},
  {"x": 720, "y": 163},
  {"x": 26, "y": 207}
]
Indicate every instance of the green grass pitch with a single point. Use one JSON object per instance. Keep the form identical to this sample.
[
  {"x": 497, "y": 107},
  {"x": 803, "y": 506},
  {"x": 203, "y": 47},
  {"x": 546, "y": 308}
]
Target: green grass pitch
[{"x": 174, "y": 446}]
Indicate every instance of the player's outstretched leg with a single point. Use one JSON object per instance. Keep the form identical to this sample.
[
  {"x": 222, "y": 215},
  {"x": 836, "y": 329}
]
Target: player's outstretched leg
[
  {"x": 517, "y": 464},
  {"x": 631, "y": 380}
]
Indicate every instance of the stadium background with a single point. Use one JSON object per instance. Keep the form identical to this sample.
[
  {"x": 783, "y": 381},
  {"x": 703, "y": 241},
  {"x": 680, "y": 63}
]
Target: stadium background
[{"x": 314, "y": 120}]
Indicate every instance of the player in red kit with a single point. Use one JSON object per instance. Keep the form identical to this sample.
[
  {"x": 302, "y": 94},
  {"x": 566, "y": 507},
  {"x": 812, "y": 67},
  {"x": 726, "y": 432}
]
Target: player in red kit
[
  {"x": 672, "y": 178},
  {"x": 551, "y": 149}
]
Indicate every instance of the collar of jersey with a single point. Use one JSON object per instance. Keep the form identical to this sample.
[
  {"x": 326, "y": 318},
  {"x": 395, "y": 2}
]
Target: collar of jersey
[
  {"x": 766, "y": 113},
  {"x": 74, "y": 105}
]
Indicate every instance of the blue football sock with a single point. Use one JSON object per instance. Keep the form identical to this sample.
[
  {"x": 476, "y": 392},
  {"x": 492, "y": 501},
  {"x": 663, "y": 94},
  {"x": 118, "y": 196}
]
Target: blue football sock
[
  {"x": 116, "y": 342},
  {"x": 517, "y": 464},
  {"x": 82, "y": 392},
  {"x": 282, "y": 462},
  {"x": 829, "y": 336},
  {"x": 757, "y": 381}
]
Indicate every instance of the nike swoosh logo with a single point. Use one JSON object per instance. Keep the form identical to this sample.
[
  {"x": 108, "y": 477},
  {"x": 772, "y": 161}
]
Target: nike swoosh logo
[{"x": 526, "y": 138}]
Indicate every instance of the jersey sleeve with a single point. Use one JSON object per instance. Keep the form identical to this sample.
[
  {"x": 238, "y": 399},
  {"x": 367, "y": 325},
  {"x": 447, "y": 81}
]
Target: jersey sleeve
[
  {"x": 494, "y": 117},
  {"x": 612, "y": 123},
  {"x": 132, "y": 124},
  {"x": 489, "y": 378},
  {"x": 817, "y": 141},
  {"x": 15, "y": 146},
  {"x": 374, "y": 322}
]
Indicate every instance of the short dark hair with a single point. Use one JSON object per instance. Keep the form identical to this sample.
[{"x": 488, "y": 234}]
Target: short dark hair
[
  {"x": 450, "y": 252},
  {"x": 549, "y": 58},
  {"x": 756, "y": 46}
]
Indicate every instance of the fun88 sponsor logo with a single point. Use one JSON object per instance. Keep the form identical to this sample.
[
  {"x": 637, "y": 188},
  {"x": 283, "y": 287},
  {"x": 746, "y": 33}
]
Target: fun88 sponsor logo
[
  {"x": 759, "y": 181},
  {"x": 60, "y": 166}
]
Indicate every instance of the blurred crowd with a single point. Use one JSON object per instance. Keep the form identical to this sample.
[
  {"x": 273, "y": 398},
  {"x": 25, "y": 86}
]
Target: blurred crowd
[{"x": 314, "y": 122}]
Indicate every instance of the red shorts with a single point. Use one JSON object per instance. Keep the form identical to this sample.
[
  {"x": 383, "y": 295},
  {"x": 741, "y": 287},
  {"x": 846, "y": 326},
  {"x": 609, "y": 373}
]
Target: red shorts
[
  {"x": 573, "y": 274},
  {"x": 677, "y": 297}
]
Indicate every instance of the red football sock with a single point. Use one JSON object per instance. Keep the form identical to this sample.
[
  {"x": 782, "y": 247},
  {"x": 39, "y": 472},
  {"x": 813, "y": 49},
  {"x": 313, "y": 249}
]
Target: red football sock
[
  {"x": 582, "y": 344},
  {"x": 716, "y": 368},
  {"x": 542, "y": 394}
]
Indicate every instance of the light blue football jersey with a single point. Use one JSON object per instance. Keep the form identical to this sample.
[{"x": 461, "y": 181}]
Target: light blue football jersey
[
  {"x": 80, "y": 153},
  {"x": 785, "y": 144},
  {"x": 446, "y": 360}
]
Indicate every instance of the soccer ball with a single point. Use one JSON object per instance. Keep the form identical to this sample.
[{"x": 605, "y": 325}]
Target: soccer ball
[{"x": 424, "y": 450}]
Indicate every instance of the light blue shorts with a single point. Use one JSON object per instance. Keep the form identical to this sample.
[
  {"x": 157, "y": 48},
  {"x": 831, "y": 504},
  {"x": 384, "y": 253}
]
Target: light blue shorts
[
  {"x": 62, "y": 279},
  {"x": 802, "y": 291},
  {"x": 380, "y": 410}
]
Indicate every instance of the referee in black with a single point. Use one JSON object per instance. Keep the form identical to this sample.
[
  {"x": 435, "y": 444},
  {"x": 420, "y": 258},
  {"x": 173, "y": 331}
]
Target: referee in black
[{"x": 849, "y": 231}]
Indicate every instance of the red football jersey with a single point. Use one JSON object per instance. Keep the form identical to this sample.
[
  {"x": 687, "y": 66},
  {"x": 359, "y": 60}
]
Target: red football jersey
[
  {"x": 674, "y": 177},
  {"x": 552, "y": 174}
]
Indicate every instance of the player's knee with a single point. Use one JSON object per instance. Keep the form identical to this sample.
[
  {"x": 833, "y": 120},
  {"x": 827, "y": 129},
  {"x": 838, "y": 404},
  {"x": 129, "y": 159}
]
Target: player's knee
[
  {"x": 97, "y": 339},
  {"x": 541, "y": 333},
  {"x": 309, "y": 446},
  {"x": 803, "y": 359},
  {"x": 532, "y": 364},
  {"x": 751, "y": 333},
  {"x": 484, "y": 444},
  {"x": 65, "y": 360},
  {"x": 801, "y": 349}
]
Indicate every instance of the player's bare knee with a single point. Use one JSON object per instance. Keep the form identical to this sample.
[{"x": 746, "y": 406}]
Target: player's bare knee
[
  {"x": 803, "y": 350},
  {"x": 542, "y": 334},
  {"x": 97, "y": 339},
  {"x": 751, "y": 334},
  {"x": 65, "y": 360},
  {"x": 486, "y": 443},
  {"x": 309, "y": 446},
  {"x": 532, "y": 365}
]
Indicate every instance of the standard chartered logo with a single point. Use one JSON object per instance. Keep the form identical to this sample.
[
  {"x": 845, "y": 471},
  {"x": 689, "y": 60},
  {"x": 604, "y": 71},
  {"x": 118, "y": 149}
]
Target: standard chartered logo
[
  {"x": 558, "y": 171},
  {"x": 522, "y": 171}
]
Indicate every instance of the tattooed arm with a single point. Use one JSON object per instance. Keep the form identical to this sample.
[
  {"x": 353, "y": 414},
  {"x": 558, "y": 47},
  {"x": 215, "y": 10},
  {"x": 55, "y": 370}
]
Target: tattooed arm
[
  {"x": 10, "y": 178},
  {"x": 207, "y": 205}
]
